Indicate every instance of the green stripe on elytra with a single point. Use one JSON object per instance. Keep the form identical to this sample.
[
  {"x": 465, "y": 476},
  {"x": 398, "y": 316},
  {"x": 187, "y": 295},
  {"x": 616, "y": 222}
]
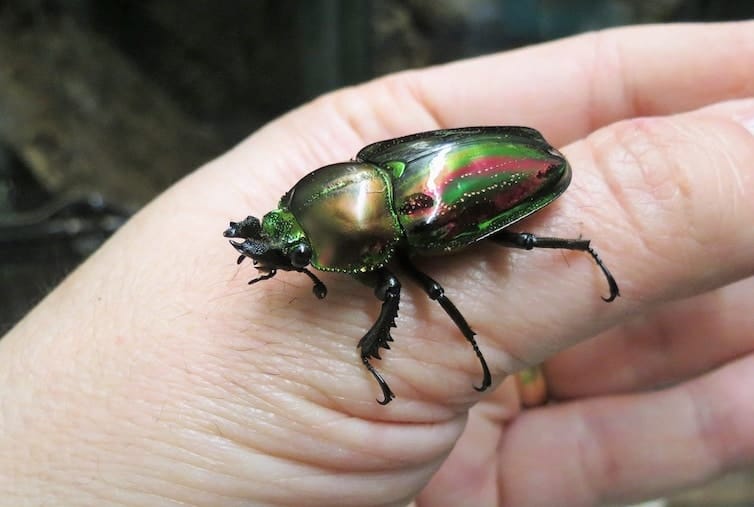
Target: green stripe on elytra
[
  {"x": 466, "y": 155},
  {"x": 479, "y": 184}
]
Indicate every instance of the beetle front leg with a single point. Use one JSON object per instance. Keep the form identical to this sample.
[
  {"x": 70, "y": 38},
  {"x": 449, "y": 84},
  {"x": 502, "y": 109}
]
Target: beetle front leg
[
  {"x": 387, "y": 288},
  {"x": 528, "y": 241},
  {"x": 436, "y": 293},
  {"x": 319, "y": 289},
  {"x": 262, "y": 278}
]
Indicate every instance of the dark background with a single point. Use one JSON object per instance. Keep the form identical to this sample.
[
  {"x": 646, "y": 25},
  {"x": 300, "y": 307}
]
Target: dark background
[{"x": 103, "y": 104}]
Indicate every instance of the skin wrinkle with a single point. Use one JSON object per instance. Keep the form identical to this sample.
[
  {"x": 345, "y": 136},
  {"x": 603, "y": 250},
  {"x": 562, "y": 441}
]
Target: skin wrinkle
[
  {"x": 636, "y": 141},
  {"x": 180, "y": 452},
  {"x": 727, "y": 439},
  {"x": 592, "y": 449},
  {"x": 594, "y": 461},
  {"x": 379, "y": 464},
  {"x": 391, "y": 92},
  {"x": 139, "y": 470},
  {"x": 731, "y": 165},
  {"x": 345, "y": 106},
  {"x": 702, "y": 426},
  {"x": 352, "y": 105},
  {"x": 412, "y": 82},
  {"x": 744, "y": 52},
  {"x": 598, "y": 155},
  {"x": 299, "y": 152},
  {"x": 662, "y": 345},
  {"x": 688, "y": 191},
  {"x": 290, "y": 368},
  {"x": 284, "y": 460},
  {"x": 417, "y": 116},
  {"x": 663, "y": 348},
  {"x": 738, "y": 196},
  {"x": 607, "y": 63},
  {"x": 601, "y": 467},
  {"x": 706, "y": 129},
  {"x": 254, "y": 404},
  {"x": 713, "y": 304}
]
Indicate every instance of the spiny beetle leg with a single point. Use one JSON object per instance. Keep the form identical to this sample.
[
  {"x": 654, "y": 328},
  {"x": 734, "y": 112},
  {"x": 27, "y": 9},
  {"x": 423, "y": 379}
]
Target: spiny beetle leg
[
  {"x": 527, "y": 241},
  {"x": 387, "y": 289},
  {"x": 435, "y": 292}
]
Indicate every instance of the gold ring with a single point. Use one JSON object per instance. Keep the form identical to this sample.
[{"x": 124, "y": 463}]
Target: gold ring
[{"x": 532, "y": 386}]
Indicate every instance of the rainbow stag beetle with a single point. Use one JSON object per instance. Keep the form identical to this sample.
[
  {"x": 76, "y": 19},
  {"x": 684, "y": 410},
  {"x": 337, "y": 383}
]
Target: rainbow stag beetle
[{"x": 431, "y": 193}]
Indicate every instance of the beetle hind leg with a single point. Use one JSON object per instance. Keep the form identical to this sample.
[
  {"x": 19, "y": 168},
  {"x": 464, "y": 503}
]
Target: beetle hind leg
[
  {"x": 387, "y": 289},
  {"x": 528, "y": 241},
  {"x": 436, "y": 293}
]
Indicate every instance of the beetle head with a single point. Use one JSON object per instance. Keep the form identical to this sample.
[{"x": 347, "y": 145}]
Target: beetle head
[
  {"x": 277, "y": 243},
  {"x": 270, "y": 247}
]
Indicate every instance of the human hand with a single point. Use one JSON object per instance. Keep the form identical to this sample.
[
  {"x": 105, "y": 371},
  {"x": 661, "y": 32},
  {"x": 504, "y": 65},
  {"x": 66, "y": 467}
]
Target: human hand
[{"x": 154, "y": 375}]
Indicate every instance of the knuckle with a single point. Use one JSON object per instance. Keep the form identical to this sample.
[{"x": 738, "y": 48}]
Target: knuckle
[
  {"x": 387, "y": 107},
  {"x": 676, "y": 178},
  {"x": 612, "y": 92}
]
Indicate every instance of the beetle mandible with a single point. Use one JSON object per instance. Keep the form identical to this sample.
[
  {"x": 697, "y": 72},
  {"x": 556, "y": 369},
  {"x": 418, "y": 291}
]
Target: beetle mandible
[{"x": 431, "y": 193}]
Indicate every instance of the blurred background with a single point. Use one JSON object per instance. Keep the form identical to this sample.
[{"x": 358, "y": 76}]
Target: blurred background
[{"x": 103, "y": 104}]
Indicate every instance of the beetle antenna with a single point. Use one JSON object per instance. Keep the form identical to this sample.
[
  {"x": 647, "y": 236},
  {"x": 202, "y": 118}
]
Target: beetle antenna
[{"x": 319, "y": 289}]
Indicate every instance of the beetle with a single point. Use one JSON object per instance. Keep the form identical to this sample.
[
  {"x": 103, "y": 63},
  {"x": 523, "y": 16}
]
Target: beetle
[{"x": 431, "y": 193}]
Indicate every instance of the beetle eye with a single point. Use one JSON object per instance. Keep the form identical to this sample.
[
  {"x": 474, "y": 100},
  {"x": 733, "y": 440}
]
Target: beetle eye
[{"x": 300, "y": 255}]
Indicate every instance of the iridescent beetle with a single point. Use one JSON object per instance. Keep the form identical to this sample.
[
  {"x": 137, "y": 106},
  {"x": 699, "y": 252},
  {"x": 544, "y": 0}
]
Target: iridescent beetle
[{"x": 431, "y": 193}]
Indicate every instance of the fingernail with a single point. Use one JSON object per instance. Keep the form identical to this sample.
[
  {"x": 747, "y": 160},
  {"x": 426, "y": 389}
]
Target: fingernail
[
  {"x": 746, "y": 116},
  {"x": 748, "y": 123}
]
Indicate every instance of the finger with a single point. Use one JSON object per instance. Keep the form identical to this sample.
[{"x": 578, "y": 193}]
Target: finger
[
  {"x": 571, "y": 87},
  {"x": 679, "y": 341},
  {"x": 469, "y": 474},
  {"x": 566, "y": 88},
  {"x": 648, "y": 192},
  {"x": 662, "y": 199},
  {"x": 626, "y": 448}
]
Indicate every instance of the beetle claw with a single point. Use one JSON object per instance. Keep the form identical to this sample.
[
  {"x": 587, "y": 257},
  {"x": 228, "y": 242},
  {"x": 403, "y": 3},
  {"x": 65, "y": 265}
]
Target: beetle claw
[{"x": 387, "y": 393}]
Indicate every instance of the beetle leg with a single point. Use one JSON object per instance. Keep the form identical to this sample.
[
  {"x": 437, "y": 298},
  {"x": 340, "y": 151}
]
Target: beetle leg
[
  {"x": 387, "y": 288},
  {"x": 264, "y": 277},
  {"x": 436, "y": 293},
  {"x": 319, "y": 289},
  {"x": 527, "y": 241}
]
